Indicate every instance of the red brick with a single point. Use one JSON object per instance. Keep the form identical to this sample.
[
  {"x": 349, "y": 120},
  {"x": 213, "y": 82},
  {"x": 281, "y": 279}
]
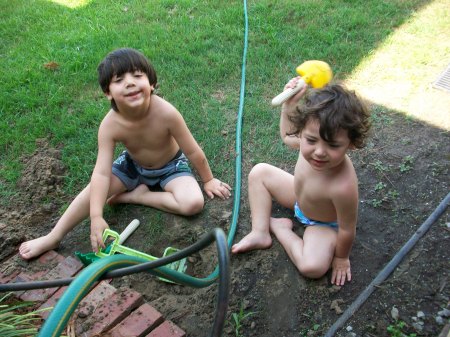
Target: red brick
[
  {"x": 167, "y": 329},
  {"x": 8, "y": 278},
  {"x": 51, "y": 302},
  {"x": 69, "y": 267},
  {"x": 24, "y": 277},
  {"x": 103, "y": 291},
  {"x": 113, "y": 310},
  {"x": 141, "y": 321},
  {"x": 50, "y": 256}
]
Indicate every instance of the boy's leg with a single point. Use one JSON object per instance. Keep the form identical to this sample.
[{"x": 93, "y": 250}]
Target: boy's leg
[
  {"x": 265, "y": 182},
  {"x": 77, "y": 211},
  {"x": 313, "y": 254},
  {"x": 182, "y": 195}
]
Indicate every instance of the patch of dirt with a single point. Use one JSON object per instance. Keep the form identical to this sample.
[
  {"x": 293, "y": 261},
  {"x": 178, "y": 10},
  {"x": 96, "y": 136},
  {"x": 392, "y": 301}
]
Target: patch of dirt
[
  {"x": 403, "y": 177},
  {"x": 36, "y": 203}
]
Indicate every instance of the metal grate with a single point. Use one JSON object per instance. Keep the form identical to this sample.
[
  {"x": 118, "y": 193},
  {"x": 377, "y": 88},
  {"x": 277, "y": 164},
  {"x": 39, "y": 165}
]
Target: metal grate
[{"x": 443, "y": 81}]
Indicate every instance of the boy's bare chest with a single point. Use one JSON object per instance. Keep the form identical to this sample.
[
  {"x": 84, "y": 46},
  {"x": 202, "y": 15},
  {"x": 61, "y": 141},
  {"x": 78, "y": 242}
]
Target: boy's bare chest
[
  {"x": 312, "y": 188},
  {"x": 151, "y": 147},
  {"x": 314, "y": 198},
  {"x": 145, "y": 134}
]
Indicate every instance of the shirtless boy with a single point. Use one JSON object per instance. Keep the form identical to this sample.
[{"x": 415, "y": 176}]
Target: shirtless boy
[
  {"x": 158, "y": 146},
  {"x": 323, "y": 192}
]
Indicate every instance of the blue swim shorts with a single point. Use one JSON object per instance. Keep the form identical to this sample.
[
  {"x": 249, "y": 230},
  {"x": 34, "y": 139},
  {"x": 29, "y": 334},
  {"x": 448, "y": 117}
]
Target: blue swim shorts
[
  {"x": 308, "y": 222},
  {"x": 132, "y": 174}
]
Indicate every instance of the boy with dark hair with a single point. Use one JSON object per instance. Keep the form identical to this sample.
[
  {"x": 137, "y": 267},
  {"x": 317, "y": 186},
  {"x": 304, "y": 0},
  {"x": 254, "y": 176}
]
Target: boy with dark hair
[
  {"x": 323, "y": 192},
  {"x": 158, "y": 147}
]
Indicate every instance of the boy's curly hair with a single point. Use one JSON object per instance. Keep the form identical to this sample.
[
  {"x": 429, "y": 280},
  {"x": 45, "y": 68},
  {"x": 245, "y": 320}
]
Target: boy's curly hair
[
  {"x": 121, "y": 61},
  {"x": 334, "y": 107}
]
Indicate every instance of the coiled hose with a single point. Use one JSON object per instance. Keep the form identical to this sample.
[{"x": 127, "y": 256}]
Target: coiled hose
[
  {"x": 81, "y": 285},
  {"x": 108, "y": 267}
]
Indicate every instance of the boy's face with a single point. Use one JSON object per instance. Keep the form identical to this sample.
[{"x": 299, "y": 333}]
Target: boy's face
[
  {"x": 130, "y": 90},
  {"x": 320, "y": 154}
]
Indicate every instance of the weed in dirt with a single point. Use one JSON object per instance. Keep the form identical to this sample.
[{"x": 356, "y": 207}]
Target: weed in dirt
[
  {"x": 238, "y": 319},
  {"x": 379, "y": 116},
  {"x": 380, "y": 167},
  {"x": 311, "y": 331},
  {"x": 406, "y": 164},
  {"x": 396, "y": 330},
  {"x": 379, "y": 186}
]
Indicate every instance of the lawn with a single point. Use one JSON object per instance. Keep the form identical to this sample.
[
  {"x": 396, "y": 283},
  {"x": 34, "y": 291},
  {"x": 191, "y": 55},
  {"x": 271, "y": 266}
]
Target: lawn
[{"x": 50, "y": 50}]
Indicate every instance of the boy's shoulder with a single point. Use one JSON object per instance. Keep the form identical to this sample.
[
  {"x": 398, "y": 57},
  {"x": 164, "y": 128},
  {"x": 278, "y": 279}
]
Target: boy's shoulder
[
  {"x": 159, "y": 105},
  {"x": 346, "y": 181}
]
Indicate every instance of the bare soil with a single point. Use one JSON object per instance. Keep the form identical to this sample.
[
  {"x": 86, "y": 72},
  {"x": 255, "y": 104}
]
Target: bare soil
[{"x": 404, "y": 175}]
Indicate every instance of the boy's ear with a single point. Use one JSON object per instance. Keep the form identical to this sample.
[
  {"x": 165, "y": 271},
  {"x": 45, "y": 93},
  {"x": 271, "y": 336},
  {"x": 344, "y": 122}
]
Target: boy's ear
[
  {"x": 352, "y": 146},
  {"x": 108, "y": 96}
]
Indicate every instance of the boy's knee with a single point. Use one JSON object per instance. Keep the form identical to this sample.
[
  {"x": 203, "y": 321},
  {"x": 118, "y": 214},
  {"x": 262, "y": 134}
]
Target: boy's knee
[
  {"x": 310, "y": 270},
  {"x": 258, "y": 172},
  {"x": 192, "y": 207}
]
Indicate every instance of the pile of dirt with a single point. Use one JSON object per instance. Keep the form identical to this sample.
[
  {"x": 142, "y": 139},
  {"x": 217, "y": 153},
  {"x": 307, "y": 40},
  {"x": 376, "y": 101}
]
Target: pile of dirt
[{"x": 39, "y": 196}]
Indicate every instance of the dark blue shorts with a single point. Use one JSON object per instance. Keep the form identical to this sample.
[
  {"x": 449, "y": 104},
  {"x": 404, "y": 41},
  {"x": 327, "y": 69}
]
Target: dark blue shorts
[{"x": 132, "y": 174}]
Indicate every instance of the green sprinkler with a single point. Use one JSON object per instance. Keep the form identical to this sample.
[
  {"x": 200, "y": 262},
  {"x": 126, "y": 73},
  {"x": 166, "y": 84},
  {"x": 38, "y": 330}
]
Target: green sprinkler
[{"x": 115, "y": 247}]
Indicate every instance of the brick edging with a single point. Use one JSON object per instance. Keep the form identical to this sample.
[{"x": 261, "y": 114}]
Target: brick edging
[{"x": 105, "y": 311}]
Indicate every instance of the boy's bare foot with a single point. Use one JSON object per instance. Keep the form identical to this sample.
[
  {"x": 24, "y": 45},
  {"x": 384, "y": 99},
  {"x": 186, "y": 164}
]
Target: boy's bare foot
[
  {"x": 277, "y": 224},
  {"x": 36, "y": 247},
  {"x": 253, "y": 240},
  {"x": 131, "y": 197}
]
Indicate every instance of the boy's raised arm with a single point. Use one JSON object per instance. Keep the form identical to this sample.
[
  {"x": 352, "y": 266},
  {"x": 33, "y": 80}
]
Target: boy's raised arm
[
  {"x": 285, "y": 128},
  {"x": 287, "y": 109}
]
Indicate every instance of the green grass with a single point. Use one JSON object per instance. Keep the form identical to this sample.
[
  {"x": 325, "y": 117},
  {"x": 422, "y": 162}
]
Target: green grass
[
  {"x": 17, "y": 319},
  {"x": 196, "y": 47}
]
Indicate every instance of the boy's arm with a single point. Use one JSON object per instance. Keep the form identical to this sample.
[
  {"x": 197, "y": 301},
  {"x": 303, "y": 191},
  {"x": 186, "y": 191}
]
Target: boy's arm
[
  {"x": 288, "y": 108},
  {"x": 347, "y": 215},
  {"x": 99, "y": 186},
  {"x": 196, "y": 156}
]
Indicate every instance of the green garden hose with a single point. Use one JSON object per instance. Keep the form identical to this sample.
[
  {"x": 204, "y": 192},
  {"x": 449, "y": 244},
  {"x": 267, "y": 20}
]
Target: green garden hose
[{"x": 81, "y": 285}]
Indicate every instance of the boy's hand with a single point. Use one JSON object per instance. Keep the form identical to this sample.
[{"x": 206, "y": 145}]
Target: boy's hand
[
  {"x": 98, "y": 225},
  {"x": 216, "y": 187},
  {"x": 341, "y": 271},
  {"x": 292, "y": 84}
]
